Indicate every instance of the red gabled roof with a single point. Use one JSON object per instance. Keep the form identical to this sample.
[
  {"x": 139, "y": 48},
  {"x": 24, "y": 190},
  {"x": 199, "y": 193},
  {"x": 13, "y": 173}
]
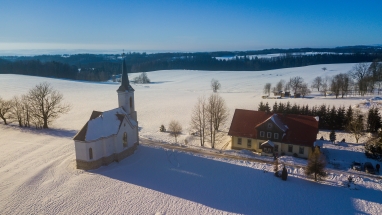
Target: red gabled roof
[{"x": 302, "y": 130}]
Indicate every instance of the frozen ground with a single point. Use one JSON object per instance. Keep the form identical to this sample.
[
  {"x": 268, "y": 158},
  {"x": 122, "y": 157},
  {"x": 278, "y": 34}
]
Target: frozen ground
[{"x": 38, "y": 175}]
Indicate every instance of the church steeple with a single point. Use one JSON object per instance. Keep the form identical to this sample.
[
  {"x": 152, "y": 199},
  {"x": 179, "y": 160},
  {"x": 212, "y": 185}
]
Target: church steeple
[
  {"x": 126, "y": 92},
  {"x": 125, "y": 84}
]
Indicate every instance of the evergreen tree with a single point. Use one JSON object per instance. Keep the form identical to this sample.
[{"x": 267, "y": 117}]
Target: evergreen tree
[
  {"x": 373, "y": 120},
  {"x": 321, "y": 112},
  {"x": 274, "y": 108},
  {"x": 261, "y": 106},
  {"x": 348, "y": 116},
  {"x": 294, "y": 109},
  {"x": 316, "y": 164},
  {"x": 287, "y": 108},
  {"x": 281, "y": 108},
  {"x": 332, "y": 118},
  {"x": 267, "y": 108},
  {"x": 332, "y": 136},
  {"x": 340, "y": 119}
]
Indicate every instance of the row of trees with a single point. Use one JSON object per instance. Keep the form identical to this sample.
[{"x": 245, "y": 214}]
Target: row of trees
[
  {"x": 363, "y": 78},
  {"x": 296, "y": 84},
  {"x": 39, "y": 107}
]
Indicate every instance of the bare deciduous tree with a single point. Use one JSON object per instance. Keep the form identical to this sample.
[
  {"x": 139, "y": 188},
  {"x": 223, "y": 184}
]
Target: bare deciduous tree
[
  {"x": 26, "y": 110},
  {"x": 217, "y": 115},
  {"x": 295, "y": 83},
  {"x": 335, "y": 85},
  {"x": 17, "y": 110},
  {"x": 215, "y": 85},
  {"x": 46, "y": 104},
  {"x": 267, "y": 88},
  {"x": 5, "y": 110},
  {"x": 317, "y": 83},
  {"x": 280, "y": 85},
  {"x": 199, "y": 119},
  {"x": 360, "y": 72},
  {"x": 175, "y": 129},
  {"x": 304, "y": 89},
  {"x": 325, "y": 85}
]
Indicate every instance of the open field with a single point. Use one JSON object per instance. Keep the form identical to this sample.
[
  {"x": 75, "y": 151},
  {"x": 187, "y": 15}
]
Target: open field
[{"x": 37, "y": 167}]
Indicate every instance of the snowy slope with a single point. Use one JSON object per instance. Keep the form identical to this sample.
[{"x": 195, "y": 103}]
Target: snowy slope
[{"x": 38, "y": 175}]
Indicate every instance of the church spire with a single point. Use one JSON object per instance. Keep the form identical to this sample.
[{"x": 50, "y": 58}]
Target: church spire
[{"x": 125, "y": 84}]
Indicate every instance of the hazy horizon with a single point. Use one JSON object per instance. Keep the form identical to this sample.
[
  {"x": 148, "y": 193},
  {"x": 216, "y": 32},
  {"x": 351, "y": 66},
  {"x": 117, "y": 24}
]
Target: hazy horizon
[{"x": 186, "y": 26}]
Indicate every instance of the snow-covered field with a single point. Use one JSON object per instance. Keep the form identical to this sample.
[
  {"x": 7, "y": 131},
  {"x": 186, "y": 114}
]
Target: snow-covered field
[{"x": 37, "y": 167}]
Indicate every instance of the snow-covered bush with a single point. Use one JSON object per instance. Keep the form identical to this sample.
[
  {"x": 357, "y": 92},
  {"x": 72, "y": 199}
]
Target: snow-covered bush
[{"x": 142, "y": 79}]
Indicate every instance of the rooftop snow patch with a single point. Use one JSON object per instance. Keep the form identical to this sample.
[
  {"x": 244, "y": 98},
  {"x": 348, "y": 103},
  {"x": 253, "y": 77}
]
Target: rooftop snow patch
[
  {"x": 105, "y": 125},
  {"x": 278, "y": 122}
]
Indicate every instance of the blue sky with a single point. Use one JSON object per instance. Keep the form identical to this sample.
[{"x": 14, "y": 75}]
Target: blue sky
[{"x": 208, "y": 25}]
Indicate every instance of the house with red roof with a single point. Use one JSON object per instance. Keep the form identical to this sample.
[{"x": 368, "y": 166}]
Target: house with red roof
[{"x": 273, "y": 133}]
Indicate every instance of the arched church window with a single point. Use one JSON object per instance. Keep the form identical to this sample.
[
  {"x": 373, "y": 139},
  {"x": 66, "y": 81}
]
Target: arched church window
[
  {"x": 131, "y": 102},
  {"x": 90, "y": 153},
  {"x": 124, "y": 139}
]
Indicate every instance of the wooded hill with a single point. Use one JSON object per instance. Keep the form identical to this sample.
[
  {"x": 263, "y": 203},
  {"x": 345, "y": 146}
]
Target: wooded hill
[{"x": 96, "y": 67}]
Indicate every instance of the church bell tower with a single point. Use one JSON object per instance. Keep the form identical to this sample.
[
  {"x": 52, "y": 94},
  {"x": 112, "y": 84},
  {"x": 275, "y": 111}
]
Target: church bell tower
[{"x": 126, "y": 92}]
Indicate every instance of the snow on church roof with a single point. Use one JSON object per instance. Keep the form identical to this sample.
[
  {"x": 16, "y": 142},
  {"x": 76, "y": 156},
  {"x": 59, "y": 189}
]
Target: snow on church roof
[{"x": 103, "y": 124}]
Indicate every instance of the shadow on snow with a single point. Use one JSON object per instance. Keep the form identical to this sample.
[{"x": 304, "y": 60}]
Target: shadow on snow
[{"x": 232, "y": 188}]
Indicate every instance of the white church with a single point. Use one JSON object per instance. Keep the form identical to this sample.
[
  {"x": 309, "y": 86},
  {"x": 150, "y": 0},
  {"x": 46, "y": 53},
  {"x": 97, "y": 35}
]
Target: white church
[{"x": 110, "y": 135}]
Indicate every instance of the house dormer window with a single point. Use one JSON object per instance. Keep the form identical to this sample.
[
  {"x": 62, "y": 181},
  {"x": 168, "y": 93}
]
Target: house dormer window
[
  {"x": 269, "y": 134},
  {"x": 124, "y": 140},
  {"x": 262, "y": 134},
  {"x": 270, "y": 125},
  {"x": 276, "y": 136}
]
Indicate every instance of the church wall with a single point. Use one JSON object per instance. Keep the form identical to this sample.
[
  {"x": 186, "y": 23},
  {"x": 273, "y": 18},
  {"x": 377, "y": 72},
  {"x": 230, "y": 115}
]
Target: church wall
[
  {"x": 97, "y": 149},
  {"x": 108, "y": 146},
  {"x": 131, "y": 136},
  {"x": 80, "y": 148}
]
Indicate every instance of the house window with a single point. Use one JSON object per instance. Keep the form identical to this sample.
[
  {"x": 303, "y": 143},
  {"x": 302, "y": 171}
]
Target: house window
[
  {"x": 276, "y": 148},
  {"x": 239, "y": 141},
  {"x": 276, "y": 136},
  {"x": 270, "y": 125},
  {"x": 124, "y": 140},
  {"x": 262, "y": 133},
  {"x": 90, "y": 153},
  {"x": 269, "y": 134},
  {"x": 249, "y": 143},
  {"x": 290, "y": 148},
  {"x": 301, "y": 151}
]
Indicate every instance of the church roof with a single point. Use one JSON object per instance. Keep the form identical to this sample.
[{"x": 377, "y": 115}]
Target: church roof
[
  {"x": 125, "y": 84},
  {"x": 103, "y": 124}
]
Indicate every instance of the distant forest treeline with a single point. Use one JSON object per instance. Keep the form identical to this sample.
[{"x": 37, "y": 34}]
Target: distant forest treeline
[{"x": 94, "y": 67}]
